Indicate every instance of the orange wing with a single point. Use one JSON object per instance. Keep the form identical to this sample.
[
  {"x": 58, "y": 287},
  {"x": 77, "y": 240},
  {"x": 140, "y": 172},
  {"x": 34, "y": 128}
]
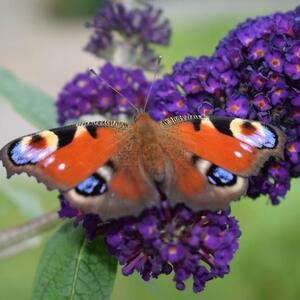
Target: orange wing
[
  {"x": 211, "y": 158},
  {"x": 94, "y": 165},
  {"x": 63, "y": 157},
  {"x": 239, "y": 146}
]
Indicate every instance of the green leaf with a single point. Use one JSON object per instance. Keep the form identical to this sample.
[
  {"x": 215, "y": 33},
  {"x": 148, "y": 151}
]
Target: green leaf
[
  {"x": 34, "y": 105},
  {"x": 72, "y": 268}
]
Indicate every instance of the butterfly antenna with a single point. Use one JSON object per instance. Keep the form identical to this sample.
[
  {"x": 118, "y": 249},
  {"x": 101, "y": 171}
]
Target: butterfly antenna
[
  {"x": 98, "y": 77},
  {"x": 153, "y": 80}
]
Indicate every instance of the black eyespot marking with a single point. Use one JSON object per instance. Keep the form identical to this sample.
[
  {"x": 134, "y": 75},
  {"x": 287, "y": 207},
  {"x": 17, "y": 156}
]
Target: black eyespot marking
[
  {"x": 92, "y": 186},
  {"x": 65, "y": 135},
  {"x": 248, "y": 125},
  {"x": 222, "y": 124},
  {"x": 196, "y": 124},
  {"x": 38, "y": 142},
  {"x": 110, "y": 164},
  {"x": 195, "y": 158},
  {"x": 36, "y": 138},
  {"x": 220, "y": 177},
  {"x": 92, "y": 130}
]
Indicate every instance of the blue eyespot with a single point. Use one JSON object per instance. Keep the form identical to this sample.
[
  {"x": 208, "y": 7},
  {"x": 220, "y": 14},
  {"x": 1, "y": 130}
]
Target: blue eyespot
[
  {"x": 220, "y": 177},
  {"x": 263, "y": 138},
  {"x": 92, "y": 186},
  {"x": 271, "y": 138},
  {"x": 22, "y": 154}
]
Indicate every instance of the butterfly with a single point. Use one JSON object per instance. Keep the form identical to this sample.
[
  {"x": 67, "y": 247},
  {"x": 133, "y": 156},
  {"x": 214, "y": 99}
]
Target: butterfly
[{"x": 116, "y": 169}]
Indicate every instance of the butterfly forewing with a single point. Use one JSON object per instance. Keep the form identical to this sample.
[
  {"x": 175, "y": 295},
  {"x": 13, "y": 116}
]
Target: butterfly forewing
[
  {"x": 239, "y": 146},
  {"x": 63, "y": 157}
]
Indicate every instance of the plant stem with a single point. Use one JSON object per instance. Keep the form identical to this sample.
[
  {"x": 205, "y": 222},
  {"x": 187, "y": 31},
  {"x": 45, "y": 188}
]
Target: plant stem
[{"x": 22, "y": 237}]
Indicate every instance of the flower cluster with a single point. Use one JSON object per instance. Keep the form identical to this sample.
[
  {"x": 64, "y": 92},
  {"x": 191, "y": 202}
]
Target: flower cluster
[
  {"x": 164, "y": 239},
  {"x": 115, "y": 27},
  {"x": 253, "y": 74},
  {"x": 90, "y": 94}
]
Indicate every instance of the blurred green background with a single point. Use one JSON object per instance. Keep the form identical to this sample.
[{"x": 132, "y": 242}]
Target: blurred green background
[{"x": 42, "y": 44}]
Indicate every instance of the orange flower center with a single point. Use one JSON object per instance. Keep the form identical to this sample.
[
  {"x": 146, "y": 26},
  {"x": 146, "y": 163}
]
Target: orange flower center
[
  {"x": 259, "y": 52},
  {"x": 172, "y": 250},
  {"x": 151, "y": 229},
  {"x": 291, "y": 148},
  {"x": 195, "y": 86},
  {"x": 234, "y": 108},
  {"x": 202, "y": 76},
  {"x": 275, "y": 62},
  {"x": 180, "y": 103},
  {"x": 248, "y": 41},
  {"x": 277, "y": 92},
  {"x": 261, "y": 103},
  {"x": 259, "y": 80},
  {"x": 123, "y": 100}
]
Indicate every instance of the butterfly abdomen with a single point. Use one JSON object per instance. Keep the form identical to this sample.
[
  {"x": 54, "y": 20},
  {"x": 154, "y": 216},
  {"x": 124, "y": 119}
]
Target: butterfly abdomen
[{"x": 153, "y": 160}]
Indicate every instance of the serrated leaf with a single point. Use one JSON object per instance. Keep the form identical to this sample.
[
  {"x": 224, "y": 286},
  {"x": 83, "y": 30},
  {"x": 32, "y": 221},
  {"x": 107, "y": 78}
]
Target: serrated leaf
[
  {"x": 74, "y": 268},
  {"x": 34, "y": 105}
]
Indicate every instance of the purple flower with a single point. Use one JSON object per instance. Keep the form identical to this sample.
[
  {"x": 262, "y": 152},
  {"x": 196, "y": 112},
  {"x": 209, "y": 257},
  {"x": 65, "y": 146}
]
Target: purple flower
[
  {"x": 262, "y": 103},
  {"x": 258, "y": 50},
  {"x": 293, "y": 69},
  {"x": 253, "y": 74},
  {"x": 293, "y": 54},
  {"x": 293, "y": 151},
  {"x": 117, "y": 28},
  {"x": 238, "y": 106},
  {"x": 165, "y": 239},
  {"x": 88, "y": 94},
  {"x": 205, "y": 109},
  {"x": 275, "y": 61}
]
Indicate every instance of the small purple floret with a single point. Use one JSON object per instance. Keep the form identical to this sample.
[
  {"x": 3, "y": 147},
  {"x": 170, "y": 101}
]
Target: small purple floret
[{"x": 134, "y": 30}]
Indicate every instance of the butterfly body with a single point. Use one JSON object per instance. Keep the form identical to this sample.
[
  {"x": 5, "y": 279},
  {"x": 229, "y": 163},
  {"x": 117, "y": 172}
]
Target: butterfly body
[{"x": 115, "y": 169}]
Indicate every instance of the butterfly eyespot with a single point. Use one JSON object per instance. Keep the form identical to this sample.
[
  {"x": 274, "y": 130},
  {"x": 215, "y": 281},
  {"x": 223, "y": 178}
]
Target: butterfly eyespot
[
  {"x": 220, "y": 177},
  {"x": 248, "y": 128},
  {"x": 37, "y": 142},
  {"x": 92, "y": 186},
  {"x": 29, "y": 150}
]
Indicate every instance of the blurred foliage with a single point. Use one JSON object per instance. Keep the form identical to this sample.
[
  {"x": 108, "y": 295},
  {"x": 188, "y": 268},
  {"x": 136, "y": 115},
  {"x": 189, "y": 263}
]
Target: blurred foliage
[
  {"x": 21, "y": 96},
  {"x": 74, "y": 8},
  {"x": 267, "y": 265}
]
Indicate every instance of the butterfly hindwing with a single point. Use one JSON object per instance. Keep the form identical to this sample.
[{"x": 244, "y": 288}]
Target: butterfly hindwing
[
  {"x": 116, "y": 189},
  {"x": 200, "y": 184}
]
